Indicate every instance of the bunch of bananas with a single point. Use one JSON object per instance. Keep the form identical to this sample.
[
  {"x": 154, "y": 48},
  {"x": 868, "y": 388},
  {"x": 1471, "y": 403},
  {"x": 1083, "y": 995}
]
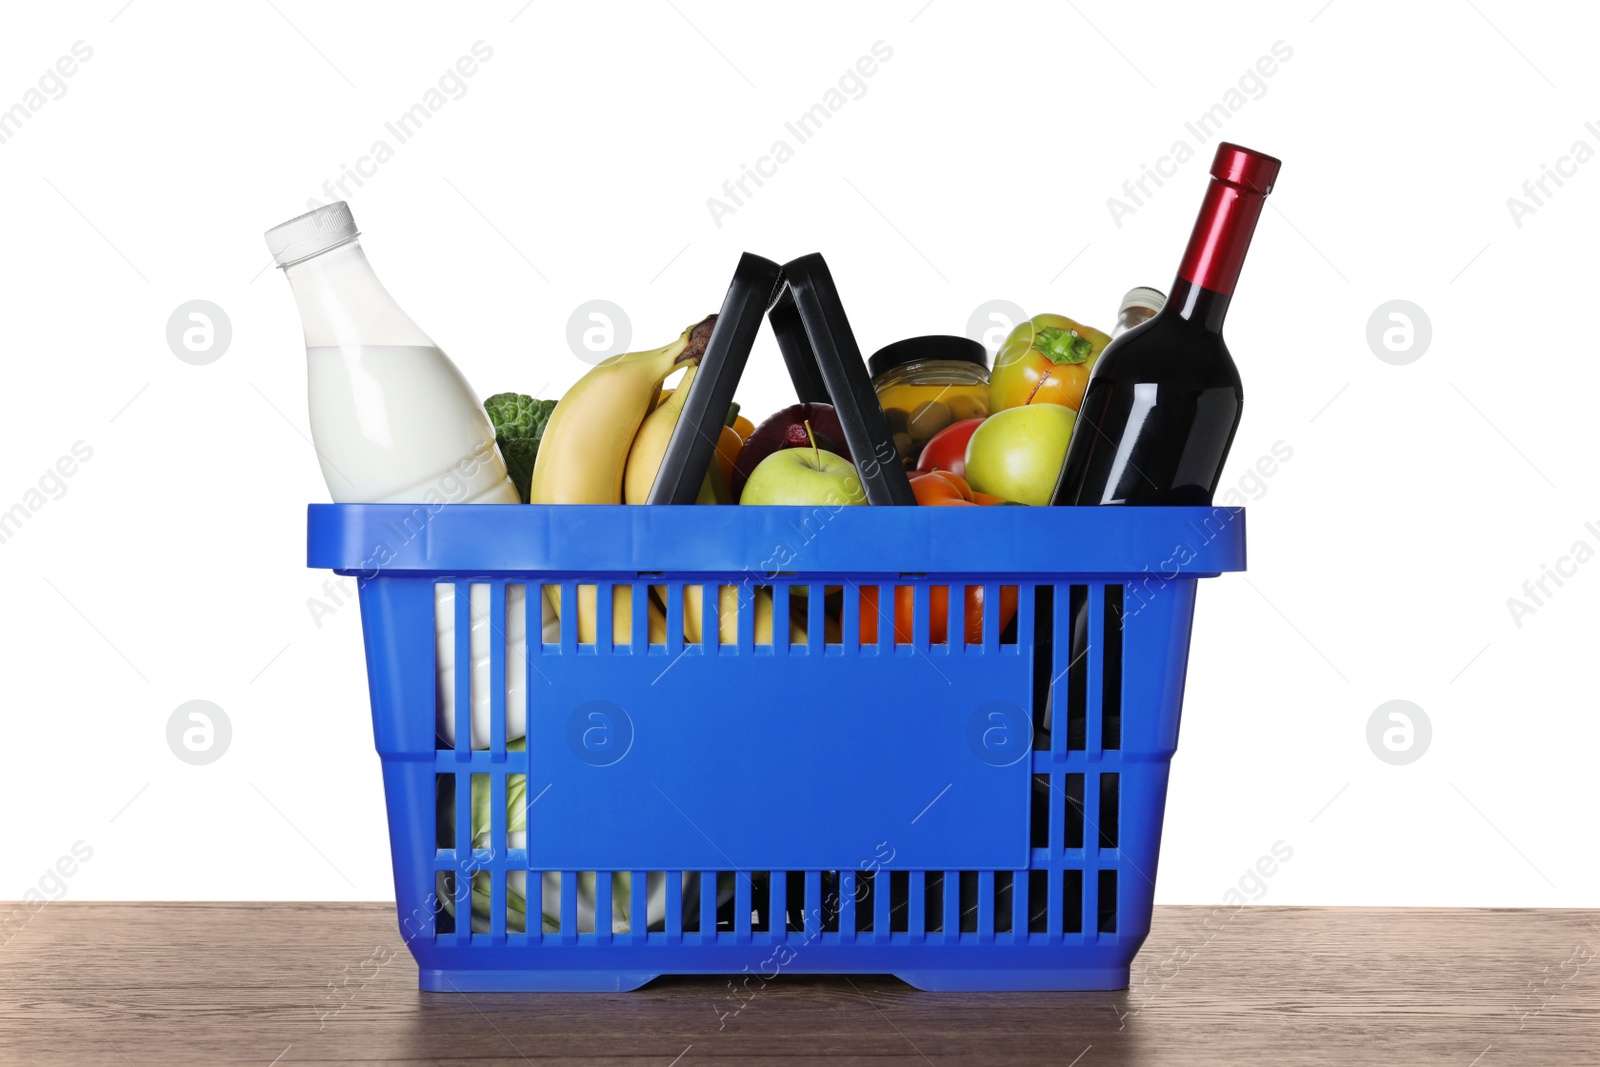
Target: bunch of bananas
[
  {"x": 584, "y": 456},
  {"x": 588, "y": 449},
  {"x": 604, "y": 445}
]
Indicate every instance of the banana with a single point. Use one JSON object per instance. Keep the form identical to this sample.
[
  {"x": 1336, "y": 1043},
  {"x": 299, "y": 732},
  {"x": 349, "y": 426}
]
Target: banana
[
  {"x": 693, "y": 601},
  {"x": 728, "y": 616},
  {"x": 584, "y": 453},
  {"x": 621, "y": 615},
  {"x": 650, "y": 443},
  {"x": 650, "y": 448},
  {"x": 644, "y": 461}
]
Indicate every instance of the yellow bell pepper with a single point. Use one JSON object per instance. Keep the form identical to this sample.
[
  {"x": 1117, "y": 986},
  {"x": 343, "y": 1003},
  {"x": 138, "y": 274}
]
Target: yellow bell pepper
[{"x": 1045, "y": 360}]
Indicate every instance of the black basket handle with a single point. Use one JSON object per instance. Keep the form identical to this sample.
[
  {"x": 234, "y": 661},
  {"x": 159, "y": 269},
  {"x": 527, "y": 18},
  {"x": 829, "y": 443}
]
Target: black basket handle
[
  {"x": 824, "y": 364},
  {"x": 818, "y": 329},
  {"x": 809, "y": 387},
  {"x": 694, "y": 439}
]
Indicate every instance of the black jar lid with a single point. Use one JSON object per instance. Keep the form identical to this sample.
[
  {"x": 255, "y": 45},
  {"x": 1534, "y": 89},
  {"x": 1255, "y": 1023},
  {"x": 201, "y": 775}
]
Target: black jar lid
[{"x": 930, "y": 346}]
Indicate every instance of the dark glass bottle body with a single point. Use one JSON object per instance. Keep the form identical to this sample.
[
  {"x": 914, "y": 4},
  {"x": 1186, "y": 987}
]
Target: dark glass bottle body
[{"x": 1160, "y": 410}]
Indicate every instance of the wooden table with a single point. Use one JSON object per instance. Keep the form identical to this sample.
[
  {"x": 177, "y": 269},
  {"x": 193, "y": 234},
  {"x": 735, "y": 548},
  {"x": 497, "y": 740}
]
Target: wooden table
[{"x": 255, "y": 984}]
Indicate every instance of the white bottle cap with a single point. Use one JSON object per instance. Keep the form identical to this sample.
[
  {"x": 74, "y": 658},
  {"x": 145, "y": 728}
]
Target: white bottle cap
[
  {"x": 1144, "y": 297},
  {"x": 315, "y": 231}
]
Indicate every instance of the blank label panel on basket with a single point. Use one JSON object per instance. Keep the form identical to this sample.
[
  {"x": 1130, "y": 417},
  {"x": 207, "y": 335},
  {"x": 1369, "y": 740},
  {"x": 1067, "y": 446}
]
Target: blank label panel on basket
[{"x": 830, "y": 729}]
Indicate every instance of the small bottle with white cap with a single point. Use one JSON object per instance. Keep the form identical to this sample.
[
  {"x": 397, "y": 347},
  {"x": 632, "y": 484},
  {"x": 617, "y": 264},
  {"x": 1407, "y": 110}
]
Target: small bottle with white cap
[
  {"x": 392, "y": 419},
  {"x": 1138, "y": 307}
]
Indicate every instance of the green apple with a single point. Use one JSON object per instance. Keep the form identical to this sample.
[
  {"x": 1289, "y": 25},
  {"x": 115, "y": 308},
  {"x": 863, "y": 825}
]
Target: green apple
[
  {"x": 808, "y": 476},
  {"x": 1017, "y": 453}
]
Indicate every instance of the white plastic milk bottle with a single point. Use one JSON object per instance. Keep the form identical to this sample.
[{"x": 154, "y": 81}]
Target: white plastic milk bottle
[{"x": 394, "y": 422}]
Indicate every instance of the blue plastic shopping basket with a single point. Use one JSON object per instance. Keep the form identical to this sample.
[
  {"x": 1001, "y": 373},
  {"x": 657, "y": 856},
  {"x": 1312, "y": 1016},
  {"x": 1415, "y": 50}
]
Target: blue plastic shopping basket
[
  {"x": 964, "y": 803},
  {"x": 889, "y": 790}
]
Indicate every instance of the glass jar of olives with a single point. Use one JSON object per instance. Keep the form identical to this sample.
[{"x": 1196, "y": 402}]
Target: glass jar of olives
[{"x": 926, "y": 383}]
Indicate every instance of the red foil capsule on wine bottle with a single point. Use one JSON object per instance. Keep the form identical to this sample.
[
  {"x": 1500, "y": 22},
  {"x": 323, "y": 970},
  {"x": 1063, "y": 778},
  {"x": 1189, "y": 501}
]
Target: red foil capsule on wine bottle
[{"x": 1240, "y": 182}]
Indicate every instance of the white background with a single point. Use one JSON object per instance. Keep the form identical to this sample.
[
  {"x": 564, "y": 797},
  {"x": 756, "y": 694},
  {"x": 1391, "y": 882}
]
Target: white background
[{"x": 976, "y": 166}]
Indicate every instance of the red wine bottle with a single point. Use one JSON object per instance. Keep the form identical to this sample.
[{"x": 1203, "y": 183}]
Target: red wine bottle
[{"x": 1164, "y": 400}]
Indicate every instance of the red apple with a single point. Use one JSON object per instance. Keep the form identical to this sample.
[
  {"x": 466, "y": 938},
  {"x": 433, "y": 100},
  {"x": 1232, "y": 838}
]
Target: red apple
[
  {"x": 787, "y": 429},
  {"x": 947, "y": 449}
]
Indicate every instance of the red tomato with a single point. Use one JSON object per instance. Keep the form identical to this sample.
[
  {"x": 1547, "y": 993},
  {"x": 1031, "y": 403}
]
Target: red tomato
[
  {"x": 947, "y": 449},
  {"x": 938, "y": 614}
]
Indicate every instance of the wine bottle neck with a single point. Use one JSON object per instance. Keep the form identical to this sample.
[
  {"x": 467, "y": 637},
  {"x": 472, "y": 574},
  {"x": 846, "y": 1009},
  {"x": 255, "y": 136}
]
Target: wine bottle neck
[
  {"x": 1221, "y": 236},
  {"x": 1204, "y": 307}
]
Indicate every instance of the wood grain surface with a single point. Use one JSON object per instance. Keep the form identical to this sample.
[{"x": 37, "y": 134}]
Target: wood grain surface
[{"x": 172, "y": 984}]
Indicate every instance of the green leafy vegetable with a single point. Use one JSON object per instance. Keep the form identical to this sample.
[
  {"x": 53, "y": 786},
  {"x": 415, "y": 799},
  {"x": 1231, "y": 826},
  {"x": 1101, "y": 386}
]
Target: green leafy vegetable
[
  {"x": 546, "y": 886},
  {"x": 519, "y": 423},
  {"x": 516, "y": 837}
]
